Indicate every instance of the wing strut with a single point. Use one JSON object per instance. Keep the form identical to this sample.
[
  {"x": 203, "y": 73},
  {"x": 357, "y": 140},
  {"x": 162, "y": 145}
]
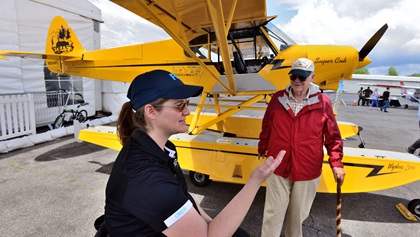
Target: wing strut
[
  {"x": 227, "y": 114},
  {"x": 182, "y": 44},
  {"x": 216, "y": 14}
]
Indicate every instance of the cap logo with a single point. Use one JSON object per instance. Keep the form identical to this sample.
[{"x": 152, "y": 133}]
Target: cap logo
[
  {"x": 174, "y": 77},
  {"x": 152, "y": 85}
]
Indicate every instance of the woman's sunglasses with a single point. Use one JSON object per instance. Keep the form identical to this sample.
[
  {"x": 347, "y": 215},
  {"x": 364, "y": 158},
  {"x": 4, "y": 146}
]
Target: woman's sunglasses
[
  {"x": 294, "y": 77},
  {"x": 179, "y": 107}
]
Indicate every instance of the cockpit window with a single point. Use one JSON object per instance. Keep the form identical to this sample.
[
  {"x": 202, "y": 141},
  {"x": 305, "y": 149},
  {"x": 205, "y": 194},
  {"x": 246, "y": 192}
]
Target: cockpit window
[
  {"x": 278, "y": 36},
  {"x": 250, "y": 42},
  {"x": 250, "y": 48}
]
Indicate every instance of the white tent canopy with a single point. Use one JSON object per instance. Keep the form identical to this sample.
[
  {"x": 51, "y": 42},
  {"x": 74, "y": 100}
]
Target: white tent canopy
[{"x": 24, "y": 26}]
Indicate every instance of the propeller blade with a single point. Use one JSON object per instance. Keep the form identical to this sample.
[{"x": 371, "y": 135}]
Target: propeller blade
[{"x": 372, "y": 42}]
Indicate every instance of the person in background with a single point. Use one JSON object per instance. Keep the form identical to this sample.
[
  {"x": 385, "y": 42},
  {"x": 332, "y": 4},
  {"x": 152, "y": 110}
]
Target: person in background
[
  {"x": 299, "y": 120},
  {"x": 367, "y": 92},
  {"x": 413, "y": 147},
  {"x": 385, "y": 100},
  {"x": 374, "y": 99},
  {"x": 416, "y": 145},
  {"x": 146, "y": 194},
  {"x": 361, "y": 97}
]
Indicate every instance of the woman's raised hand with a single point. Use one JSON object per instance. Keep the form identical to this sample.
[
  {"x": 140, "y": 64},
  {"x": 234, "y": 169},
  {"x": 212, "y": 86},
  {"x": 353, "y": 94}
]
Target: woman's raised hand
[{"x": 262, "y": 172}]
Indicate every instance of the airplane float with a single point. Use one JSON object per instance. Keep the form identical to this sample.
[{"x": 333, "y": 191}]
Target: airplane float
[{"x": 232, "y": 49}]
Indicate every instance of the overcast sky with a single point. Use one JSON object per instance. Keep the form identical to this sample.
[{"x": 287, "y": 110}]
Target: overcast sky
[{"x": 342, "y": 22}]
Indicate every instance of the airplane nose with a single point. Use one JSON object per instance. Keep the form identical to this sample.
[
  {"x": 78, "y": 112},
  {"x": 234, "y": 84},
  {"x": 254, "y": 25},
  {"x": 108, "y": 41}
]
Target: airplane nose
[{"x": 366, "y": 61}]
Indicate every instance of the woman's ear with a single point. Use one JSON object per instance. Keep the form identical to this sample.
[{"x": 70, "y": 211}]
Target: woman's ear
[{"x": 150, "y": 111}]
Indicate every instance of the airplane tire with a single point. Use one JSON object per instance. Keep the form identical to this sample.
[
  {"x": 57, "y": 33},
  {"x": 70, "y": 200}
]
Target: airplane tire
[
  {"x": 199, "y": 179},
  {"x": 414, "y": 207}
]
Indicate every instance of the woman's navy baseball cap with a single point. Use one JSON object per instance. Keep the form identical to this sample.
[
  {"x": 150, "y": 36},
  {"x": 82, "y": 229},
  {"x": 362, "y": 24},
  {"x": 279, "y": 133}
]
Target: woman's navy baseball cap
[{"x": 150, "y": 86}]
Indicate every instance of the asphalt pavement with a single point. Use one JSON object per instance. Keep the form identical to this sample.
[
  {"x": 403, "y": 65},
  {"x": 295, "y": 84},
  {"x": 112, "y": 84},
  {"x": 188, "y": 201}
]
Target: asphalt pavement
[{"x": 57, "y": 188}]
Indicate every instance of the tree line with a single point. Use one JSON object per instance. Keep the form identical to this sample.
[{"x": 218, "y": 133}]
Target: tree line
[{"x": 392, "y": 71}]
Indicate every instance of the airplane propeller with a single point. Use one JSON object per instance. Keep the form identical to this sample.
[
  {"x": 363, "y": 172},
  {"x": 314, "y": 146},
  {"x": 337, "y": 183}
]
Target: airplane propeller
[{"x": 372, "y": 42}]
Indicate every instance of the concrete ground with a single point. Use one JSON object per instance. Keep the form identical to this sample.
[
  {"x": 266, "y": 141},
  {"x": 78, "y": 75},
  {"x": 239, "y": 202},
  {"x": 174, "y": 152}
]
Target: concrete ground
[{"x": 57, "y": 188}]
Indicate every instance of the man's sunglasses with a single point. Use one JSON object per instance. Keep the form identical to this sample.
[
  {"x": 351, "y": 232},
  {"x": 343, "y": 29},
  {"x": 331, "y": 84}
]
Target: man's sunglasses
[
  {"x": 294, "y": 77},
  {"x": 179, "y": 107}
]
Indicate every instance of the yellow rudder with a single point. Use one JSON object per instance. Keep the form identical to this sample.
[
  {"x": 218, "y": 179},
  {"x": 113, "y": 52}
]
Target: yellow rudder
[{"x": 61, "y": 40}]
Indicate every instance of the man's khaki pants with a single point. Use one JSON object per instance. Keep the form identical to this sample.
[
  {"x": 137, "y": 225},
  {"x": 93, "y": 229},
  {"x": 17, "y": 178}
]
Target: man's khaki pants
[{"x": 283, "y": 196}]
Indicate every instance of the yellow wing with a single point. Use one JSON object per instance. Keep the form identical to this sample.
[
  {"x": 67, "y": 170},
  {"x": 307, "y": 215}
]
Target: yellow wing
[
  {"x": 185, "y": 21},
  {"x": 188, "y": 19}
]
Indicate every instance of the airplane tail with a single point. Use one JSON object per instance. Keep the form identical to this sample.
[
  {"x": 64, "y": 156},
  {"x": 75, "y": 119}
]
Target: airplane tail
[
  {"x": 403, "y": 90},
  {"x": 61, "y": 40},
  {"x": 406, "y": 95}
]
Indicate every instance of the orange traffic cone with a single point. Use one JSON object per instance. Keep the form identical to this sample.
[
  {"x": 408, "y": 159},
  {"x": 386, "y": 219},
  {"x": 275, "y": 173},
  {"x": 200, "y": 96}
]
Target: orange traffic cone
[{"x": 354, "y": 102}]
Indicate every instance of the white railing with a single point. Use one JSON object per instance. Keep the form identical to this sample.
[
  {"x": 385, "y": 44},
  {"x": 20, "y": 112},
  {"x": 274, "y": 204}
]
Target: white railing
[
  {"x": 47, "y": 107},
  {"x": 17, "y": 116}
]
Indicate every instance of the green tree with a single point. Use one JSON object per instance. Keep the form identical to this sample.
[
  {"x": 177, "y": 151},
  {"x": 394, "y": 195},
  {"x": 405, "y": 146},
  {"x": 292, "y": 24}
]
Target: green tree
[
  {"x": 392, "y": 71},
  {"x": 414, "y": 75},
  {"x": 362, "y": 70}
]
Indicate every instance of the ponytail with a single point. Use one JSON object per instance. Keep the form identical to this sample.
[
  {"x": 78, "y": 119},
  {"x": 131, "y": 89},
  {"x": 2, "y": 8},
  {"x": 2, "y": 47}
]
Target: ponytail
[
  {"x": 125, "y": 122},
  {"x": 130, "y": 121}
]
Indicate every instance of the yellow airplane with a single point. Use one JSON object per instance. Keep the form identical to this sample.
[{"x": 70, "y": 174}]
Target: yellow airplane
[{"x": 232, "y": 49}]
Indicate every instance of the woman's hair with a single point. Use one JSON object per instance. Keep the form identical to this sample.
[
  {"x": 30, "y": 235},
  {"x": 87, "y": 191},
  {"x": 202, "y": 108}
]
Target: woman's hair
[{"x": 130, "y": 121}]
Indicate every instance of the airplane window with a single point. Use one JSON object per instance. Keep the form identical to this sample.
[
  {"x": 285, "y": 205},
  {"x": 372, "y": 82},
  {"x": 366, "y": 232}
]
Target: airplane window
[
  {"x": 263, "y": 49},
  {"x": 246, "y": 46},
  {"x": 200, "y": 46},
  {"x": 199, "y": 51},
  {"x": 253, "y": 46},
  {"x": 279, "y": 37},
  {"x": 202, "y": 51}
]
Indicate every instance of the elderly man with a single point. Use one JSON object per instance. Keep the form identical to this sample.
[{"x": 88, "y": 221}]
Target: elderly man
[{"x": 299, "y": 120}]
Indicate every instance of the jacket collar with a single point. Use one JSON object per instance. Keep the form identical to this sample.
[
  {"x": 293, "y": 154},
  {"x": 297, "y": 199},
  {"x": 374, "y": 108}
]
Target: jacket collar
[{"x": 312, "y": 96}]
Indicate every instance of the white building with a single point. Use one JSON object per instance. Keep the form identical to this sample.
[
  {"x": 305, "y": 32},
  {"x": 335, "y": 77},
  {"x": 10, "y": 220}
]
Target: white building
[{"x": 24, "y": 26}]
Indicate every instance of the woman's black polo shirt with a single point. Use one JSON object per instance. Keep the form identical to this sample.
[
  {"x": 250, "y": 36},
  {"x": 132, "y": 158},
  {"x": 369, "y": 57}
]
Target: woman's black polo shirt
[{"x": 146, "y": 191}]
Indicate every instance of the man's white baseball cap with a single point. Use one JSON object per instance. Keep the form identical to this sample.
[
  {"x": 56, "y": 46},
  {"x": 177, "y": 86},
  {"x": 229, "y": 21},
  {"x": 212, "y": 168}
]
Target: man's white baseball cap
[{"x": 303, "y": 67}]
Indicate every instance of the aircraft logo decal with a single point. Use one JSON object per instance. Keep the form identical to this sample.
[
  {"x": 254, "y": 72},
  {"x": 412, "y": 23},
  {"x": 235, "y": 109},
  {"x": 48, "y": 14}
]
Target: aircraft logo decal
[
  {"x": 277, "y": 64},
  {"x": 61, "y": 41},
  {"x": 395, "y": 168},
  {"x": 328, "y": 61},
  {"x": 375, "y": 169}
]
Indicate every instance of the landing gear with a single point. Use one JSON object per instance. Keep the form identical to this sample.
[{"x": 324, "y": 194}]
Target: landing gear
[
  {"x": 414, "y": 207},
  {"x": 199, "y": 179},
  {"x": 362, "y": 142},
  {"x": 412, "y": 211}
]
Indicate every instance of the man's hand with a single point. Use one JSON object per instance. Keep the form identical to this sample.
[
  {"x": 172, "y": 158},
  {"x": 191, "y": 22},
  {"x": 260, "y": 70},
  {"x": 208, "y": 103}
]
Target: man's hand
[
  {"x": 261, "y": 156},
  {"x": 339, "y": 174}
]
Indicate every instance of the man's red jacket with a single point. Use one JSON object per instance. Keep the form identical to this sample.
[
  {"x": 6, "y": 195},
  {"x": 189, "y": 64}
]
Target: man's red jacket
[{"x": 303, "y": 136}]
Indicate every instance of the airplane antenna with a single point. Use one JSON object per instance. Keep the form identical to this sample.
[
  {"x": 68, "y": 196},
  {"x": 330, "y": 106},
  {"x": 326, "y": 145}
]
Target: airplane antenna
[{"x": 372, "y": 42}]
